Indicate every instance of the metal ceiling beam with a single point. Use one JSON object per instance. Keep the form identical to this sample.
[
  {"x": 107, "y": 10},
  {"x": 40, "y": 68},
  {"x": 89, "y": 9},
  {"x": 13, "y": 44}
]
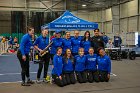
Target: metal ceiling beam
[
  {"x": 88, "y": 1},
  {"x": 45, "y": 5},
  {"x": 53, "y": 5}
]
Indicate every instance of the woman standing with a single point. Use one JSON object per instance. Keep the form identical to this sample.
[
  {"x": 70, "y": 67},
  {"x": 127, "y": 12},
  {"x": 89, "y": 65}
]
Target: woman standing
[
  {"x": 40, "y": 44},
  {"x": 57, "y": 42},
  {"x": 75, "y": 43},
  {"x": 86, "y": 42},
  {"x": 66, "y": 42},
  {"x": 68, "y": 67}
]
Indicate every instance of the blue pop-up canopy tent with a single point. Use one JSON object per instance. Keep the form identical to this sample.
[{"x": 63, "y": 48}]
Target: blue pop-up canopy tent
[{"x": 70, "y": 22}]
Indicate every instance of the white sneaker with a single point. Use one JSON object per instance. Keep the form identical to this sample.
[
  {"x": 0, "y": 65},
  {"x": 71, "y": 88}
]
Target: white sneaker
[
  {"x": 46, "y": 81},
  {"x": 38, "y": 81}
]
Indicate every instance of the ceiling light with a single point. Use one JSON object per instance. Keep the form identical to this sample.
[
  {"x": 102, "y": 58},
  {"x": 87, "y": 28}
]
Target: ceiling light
[
  {"x": 97, "y": 3},
  {"x": 84, "y": 5}
]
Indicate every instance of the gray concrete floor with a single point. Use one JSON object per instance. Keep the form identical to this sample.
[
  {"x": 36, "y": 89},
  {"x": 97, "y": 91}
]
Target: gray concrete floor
[{"x": 127, "y": 80}]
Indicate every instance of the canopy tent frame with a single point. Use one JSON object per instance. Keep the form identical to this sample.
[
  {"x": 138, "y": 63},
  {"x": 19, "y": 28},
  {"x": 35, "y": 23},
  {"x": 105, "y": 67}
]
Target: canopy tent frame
[{"x": 70, "y": 22}]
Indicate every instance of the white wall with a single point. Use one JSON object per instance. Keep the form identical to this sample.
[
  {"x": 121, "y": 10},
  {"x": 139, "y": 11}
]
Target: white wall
[
  {"x": 128, "y": 12},
  {"x": 123, "y": 10},
  {"x": 107, "y": 27},
  {"x": 123, "y": 25},
  {"x": 83, "y": 15},
  {"x": 132, "y": 24},
  {"x": 100, "y": 26},
  {"x": 96, "y": 16},
  {"x": 129, "y": 21},
  {"x": 129, "y": 9},
  {"x": 108, "y": 14},
  {"x": 93, "y": 16},
  {"x": 100, "y": 17},
  {"x": 133, "y": 8}
]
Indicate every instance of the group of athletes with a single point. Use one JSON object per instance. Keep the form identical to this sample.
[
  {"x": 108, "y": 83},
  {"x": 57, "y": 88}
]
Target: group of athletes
[{"x": 73, "y": 58}]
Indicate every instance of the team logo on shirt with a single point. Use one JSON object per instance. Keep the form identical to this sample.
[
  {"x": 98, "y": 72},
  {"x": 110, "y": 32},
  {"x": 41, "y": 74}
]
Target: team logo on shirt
[
  {"x": 91, "y": 59},
  {"x": 78, "y": 58},
  {"x": 117, "y": 39},
  {"x": 99, "y": 39}
]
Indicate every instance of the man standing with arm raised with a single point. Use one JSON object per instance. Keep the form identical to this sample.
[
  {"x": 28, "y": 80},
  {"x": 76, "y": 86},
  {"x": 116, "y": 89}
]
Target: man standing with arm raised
[{"x": 23, "y": 56}]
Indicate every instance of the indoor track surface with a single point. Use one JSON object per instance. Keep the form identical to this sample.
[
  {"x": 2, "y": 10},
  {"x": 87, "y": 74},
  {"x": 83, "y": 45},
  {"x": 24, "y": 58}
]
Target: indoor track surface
[{"x": 125, "y": 78}]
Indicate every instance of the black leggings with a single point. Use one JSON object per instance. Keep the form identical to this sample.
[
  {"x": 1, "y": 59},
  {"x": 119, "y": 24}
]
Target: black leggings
[
  {"x": 81, "y": 76},
  {"x": 24, "y": 66},
  {"x": 44, "y": 62},
  {"x": 103, "y": 76},
  {"x": 70, "y": 77},
  {"x": 51, "y": 56},
  {"x": 59, "y": 82},
  {"x": 92, "y": 76}
]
